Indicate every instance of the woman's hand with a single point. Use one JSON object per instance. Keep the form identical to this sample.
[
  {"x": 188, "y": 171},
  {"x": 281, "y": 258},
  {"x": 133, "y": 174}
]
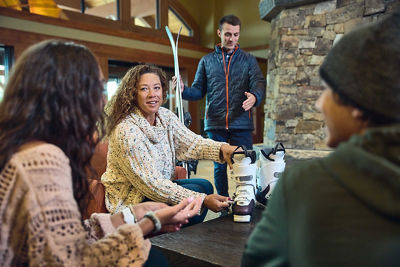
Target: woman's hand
[
  {"x": 173, "y": 217},
  {"x": 180, "y": 213},
  {"x": 226, "y": 153},
  {"x": 140, "y": 209},
  {"x": 216, "y": 202}
]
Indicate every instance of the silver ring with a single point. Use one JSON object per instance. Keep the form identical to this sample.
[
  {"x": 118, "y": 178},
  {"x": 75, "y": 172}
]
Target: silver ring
[{"x": 188, "y": 215}]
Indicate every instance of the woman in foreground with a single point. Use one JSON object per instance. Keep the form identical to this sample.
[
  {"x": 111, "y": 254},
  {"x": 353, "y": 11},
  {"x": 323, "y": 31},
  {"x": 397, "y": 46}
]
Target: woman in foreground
[{"x": 51, "y": 108}]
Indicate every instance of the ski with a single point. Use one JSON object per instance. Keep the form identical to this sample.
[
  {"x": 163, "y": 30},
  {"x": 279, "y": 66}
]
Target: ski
[
  {"x": 178, "y": 94},
  {"x": 178, "y": 89}
]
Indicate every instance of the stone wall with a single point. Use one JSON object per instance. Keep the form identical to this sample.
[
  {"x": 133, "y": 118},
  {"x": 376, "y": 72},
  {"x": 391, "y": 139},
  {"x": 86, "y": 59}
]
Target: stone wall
[{"x": 301, "y": 36}]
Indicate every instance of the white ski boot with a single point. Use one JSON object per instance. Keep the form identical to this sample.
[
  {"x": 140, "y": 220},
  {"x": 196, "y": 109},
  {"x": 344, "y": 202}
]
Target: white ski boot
[
  {"x": 271, "y": 164},
  {"x": 244, "y": 173}
]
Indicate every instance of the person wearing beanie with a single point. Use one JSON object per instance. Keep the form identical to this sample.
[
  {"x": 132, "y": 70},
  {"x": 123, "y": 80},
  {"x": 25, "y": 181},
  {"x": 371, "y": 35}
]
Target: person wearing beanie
[{"x": 344, "y": 210}]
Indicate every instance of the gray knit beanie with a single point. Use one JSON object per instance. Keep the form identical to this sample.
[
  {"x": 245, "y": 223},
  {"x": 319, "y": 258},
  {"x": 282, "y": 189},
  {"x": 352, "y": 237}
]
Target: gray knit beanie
[{"x": 364, "y": 66}]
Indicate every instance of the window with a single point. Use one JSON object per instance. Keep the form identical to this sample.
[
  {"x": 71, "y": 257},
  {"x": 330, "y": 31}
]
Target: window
[
  {"x": 2, "y": 75},
  {"x": 116, "y": 71},
  {"x": 102, "y": 8},
  {"x": 112, "y": 86},
  {"x": 70, "y": 5},
  {"x": 41, "y": 7},
  {"x": 175, "y": 22},
  {"x": 5, "y": 67},
  {"x": 144, "y": 13},
  {"x": 44, "y": 7},
  {"x": 53, "y": 8},
  {"x": 131, "y": 15}
]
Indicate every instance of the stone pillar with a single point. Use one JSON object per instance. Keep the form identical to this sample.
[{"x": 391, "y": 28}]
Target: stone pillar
[{"x": 302, "y": 33}]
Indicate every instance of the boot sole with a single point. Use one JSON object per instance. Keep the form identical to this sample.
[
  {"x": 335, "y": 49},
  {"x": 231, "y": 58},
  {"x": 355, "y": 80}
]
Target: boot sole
[{"x": 241, "y": 218}]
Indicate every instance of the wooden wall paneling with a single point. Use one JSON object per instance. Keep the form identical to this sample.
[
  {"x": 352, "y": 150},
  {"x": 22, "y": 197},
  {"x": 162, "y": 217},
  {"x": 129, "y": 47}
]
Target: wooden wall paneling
[
  {"x": 18, "y": 49},
  {"x": 103, "y": 62},
  {"x": 136, "y": 55},
  {"x": 257, "y": 47},
  {"x": 17, "y": 40},
  {"x": 87, "y": 20},
  {"x": 163, "y": 13},
  {"x": 106, "y": 26},
  {"x": 125, "y": 14},
  {"x": 20, "y": 40},
  {"x": 258, "y": 134},
  {"x": 193, "y": 105},
  {"x": 124, "y": 28}
]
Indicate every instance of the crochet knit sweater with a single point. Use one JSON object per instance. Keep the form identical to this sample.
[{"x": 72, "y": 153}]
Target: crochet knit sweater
[
  {"x": 141, "y": 159},
  {"x": 41, "y": 223}
]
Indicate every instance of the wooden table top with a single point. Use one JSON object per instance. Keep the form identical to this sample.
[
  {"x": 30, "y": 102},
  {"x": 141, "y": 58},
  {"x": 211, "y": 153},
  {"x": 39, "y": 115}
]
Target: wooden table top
[{"x": 218, "y": 242}]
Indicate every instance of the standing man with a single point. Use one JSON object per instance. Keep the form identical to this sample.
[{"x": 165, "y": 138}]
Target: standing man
[{"x": 233, "y": 83}]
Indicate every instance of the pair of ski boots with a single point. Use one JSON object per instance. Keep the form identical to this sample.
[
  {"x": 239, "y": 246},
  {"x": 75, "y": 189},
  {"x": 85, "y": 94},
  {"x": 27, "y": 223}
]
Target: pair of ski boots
[{"x": 254, "y": 181}]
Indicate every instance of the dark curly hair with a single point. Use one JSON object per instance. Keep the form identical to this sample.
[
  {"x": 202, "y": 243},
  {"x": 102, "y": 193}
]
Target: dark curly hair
[
  {"x": 54, "y": 95},
  {"x": 124, "y": 101}
]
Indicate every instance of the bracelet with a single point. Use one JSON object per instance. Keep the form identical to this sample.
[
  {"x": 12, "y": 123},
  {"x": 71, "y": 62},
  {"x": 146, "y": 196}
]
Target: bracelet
[
  {"x": 157, "y": 224},
  {"x": 128, "y": 216}
]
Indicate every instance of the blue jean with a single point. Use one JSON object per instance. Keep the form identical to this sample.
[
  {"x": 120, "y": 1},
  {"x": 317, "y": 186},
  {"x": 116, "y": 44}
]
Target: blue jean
[
  {"x": 197, "y": 185},
  {"x": 234, "y": 138},
  {"x": 156, "y": 259}
]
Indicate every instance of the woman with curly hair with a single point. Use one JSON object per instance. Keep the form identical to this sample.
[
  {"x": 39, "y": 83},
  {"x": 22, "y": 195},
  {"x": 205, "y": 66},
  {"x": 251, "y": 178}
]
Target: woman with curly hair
[
  {"x": 145, "y": 140},
  {"x": 51, "y": 108}
]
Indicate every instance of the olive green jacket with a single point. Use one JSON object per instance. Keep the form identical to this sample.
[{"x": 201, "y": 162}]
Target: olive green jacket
[{"x": 342, "y": 210}]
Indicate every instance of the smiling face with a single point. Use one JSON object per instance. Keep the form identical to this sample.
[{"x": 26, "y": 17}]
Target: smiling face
[
  {"x": 229, "y": 35},
  {"x": 149, "y": 95},
  {"x": 342, "y": 121}
]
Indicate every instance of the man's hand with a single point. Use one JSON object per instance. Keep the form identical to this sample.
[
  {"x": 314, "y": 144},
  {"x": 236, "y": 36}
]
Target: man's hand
[
  {"x": 174, "y": 83},
  {"x": 249, "y": 102}
]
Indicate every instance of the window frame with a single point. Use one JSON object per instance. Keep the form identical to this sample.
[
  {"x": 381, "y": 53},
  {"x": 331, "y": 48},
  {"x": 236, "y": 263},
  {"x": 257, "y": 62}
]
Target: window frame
[{"x": 87, "y": 22}]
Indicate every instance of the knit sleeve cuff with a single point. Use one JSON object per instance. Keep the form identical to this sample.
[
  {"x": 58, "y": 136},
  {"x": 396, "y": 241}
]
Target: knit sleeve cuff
[
  {"x": 103, "y": 220},
  {"x": 213, "y": 150}
]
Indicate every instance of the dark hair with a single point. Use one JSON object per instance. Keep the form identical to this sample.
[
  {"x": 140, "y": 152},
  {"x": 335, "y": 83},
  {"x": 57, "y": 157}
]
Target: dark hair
[
  {"x": 124, "y": 101},
  {"x": 54, "y": 95},
  {"x": 373, "y": 118},
  {"x": 230, "y": 19}
]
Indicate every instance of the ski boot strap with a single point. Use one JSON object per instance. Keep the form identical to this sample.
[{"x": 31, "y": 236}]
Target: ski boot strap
[
  {"x": 247, "y": 153},
  {"x": 267, "y": 152},
  {"x": 242, "y": 178}
]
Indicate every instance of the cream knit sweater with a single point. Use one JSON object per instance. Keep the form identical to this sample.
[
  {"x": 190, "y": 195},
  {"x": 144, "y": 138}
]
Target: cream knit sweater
[
  {"x": 41, "y": 223},
  {"x": 141, "y": 159}
]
